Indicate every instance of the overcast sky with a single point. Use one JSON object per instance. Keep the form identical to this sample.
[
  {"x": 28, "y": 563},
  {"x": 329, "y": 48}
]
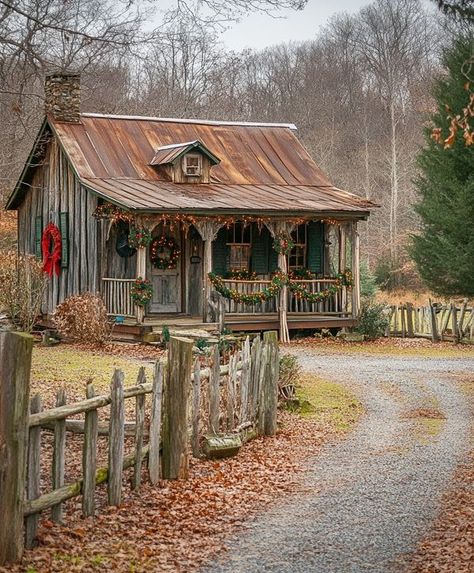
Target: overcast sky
[{"x": 259, "y": 31}]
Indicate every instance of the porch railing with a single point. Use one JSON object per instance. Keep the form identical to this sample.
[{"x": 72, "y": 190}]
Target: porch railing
[
  {"x": 334, "y": 304},
  {"x": 116, "y": 293}
]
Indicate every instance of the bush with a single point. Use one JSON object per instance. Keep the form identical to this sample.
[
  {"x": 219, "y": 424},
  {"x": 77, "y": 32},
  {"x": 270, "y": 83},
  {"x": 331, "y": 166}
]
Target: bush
[
  {"x": 373, "y": 319},
  {"x": 290, "y": 372},
  {"x": 83, "y": 318},
  {"x": 22, "y": 287}
]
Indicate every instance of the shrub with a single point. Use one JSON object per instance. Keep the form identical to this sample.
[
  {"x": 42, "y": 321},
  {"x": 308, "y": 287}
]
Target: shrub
[
  {"x": 373, "y": 319},
  {"x": 22, "y": 287},
  {"x": 165, "y": 334},
  {"x": 290, "y": 372},
  {"x": 83, "y": 318}
]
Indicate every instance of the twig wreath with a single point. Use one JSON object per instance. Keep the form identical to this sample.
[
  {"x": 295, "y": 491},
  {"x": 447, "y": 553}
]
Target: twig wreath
[{"x": 164, "y": 253}]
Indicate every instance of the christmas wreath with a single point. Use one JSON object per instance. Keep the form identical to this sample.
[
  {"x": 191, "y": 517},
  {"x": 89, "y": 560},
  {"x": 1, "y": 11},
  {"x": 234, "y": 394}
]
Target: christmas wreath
[
  {"x": 283, "y": 243},
  {"x": 139, "y": 237},
  {"x": 141, "y": 292},
  {"x": 164, "y": 253},
  {"x": 51, "y": 249}
]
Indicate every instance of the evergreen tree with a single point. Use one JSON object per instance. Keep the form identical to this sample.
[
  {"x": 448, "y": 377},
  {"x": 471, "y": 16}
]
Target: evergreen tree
[{"x": 444, "y": 250}]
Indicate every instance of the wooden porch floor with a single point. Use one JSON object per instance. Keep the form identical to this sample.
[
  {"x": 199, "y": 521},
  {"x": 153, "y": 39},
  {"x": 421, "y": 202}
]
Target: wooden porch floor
[{"x": 236, "y": 322}]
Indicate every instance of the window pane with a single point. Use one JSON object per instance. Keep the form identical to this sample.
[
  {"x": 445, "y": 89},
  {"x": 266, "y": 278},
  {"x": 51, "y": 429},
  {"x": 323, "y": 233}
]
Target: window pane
[{"x": 239, "y": 257}]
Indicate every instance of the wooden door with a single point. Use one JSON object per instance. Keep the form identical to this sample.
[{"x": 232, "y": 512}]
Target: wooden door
[
  {"x": 166, "y": 282},
  {"x": 166, "y": 291}
]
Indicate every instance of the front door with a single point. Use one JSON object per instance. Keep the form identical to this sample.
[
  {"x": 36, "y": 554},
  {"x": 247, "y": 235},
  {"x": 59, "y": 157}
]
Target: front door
[
  {"x": 166, "y": 291},
  {"x": 166, "y": 281}
]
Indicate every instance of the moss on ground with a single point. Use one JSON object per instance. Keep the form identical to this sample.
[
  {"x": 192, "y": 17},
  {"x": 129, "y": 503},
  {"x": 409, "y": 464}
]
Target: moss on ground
[{"x": 329, "y": 403}]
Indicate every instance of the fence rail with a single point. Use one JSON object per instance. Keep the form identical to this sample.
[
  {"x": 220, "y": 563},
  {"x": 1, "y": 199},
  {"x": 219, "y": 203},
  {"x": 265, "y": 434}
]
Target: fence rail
[
  {"x": 453, "y": 322},
  {"x": 226, "y": 399}
]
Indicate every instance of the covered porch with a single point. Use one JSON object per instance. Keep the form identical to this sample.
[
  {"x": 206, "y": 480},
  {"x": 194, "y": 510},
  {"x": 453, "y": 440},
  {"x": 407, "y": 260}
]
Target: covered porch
[{"x": 240, "y": 272}]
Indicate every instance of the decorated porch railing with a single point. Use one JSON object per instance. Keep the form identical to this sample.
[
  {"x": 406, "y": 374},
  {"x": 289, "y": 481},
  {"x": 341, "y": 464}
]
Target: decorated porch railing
[
  {"x": 330, "y": 302},
  {"x": 117, "y": 296}
]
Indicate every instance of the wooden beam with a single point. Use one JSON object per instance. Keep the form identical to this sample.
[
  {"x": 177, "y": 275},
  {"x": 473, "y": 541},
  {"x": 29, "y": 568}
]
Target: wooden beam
[
  {"x": 355, "y": 246},
  {"x": 15, "y": 364}
]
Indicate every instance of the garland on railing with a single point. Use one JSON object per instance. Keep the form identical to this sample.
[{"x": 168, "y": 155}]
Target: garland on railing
[
  {"x": 304, "y": 274},
  {"x": 141, "y": 291},
  {"x": 279, "y": 280},
  {"x": 241, "y": 275},
  {"x": 301, "y": 291}
]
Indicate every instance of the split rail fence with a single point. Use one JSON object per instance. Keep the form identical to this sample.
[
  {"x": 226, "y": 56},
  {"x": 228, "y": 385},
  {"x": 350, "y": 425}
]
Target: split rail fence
[
  {"x": 452, "y": 322},
  {"x": 188, "y": 406}
]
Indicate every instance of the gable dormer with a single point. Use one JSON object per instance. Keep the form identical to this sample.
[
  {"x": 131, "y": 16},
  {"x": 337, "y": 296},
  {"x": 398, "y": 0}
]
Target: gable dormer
[{"x": 189, "y": 162}]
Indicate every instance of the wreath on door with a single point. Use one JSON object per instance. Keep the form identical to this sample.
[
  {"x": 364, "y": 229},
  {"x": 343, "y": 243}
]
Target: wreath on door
[
  {"x": 51, "y": 249},
  {"x": 164, "y": 253}
]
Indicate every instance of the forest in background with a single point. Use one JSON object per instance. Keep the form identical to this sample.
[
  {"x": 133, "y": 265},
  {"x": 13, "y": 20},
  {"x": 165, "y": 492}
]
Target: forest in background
[{"x": 359, "y": 92}]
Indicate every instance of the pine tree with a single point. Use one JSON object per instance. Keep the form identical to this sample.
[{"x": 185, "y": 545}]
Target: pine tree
[{"x": 444, "y": 250}]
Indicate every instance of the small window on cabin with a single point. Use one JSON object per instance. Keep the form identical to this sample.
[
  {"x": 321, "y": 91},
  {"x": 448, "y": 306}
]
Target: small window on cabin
[
  {"x": 239, "y": 240},
  {"x": 192, "y": 165},
  {"x": 297, "y": 257}
]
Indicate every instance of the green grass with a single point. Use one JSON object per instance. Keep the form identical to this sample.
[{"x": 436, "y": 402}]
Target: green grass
[
  {"x": 62, "y": 365},
  {"x": 329, "y": 403}
]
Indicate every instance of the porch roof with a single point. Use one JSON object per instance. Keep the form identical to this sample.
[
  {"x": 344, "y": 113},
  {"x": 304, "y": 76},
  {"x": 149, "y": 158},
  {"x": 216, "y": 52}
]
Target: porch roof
[{"x": 162, "y": 196}]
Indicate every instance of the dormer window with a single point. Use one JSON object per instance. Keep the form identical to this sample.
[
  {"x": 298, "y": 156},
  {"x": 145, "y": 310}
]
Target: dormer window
[{"x": 192, "y": 165}]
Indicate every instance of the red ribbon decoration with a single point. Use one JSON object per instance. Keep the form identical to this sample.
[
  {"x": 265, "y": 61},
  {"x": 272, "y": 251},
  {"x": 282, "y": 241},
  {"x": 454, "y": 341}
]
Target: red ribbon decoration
[{"x": 51, "y": 257}]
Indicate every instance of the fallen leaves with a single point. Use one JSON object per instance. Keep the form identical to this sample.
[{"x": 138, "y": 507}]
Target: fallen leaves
[
  {"x": 449, "y": 546},
  {"x": 179, "y": 525}
]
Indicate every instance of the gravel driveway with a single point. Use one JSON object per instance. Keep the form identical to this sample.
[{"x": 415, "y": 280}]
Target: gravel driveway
[{"x": 370, "y": 497}]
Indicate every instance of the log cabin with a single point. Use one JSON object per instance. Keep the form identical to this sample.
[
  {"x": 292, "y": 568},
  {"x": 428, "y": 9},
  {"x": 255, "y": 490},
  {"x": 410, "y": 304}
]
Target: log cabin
[{"x": 187, "y": 221}]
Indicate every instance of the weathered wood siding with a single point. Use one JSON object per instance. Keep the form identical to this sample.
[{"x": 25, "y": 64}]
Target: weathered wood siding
[{"x": 54, "y": 190}]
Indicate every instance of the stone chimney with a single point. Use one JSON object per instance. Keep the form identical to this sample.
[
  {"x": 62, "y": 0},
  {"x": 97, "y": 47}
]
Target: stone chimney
[{"x": 63, "y": 96}]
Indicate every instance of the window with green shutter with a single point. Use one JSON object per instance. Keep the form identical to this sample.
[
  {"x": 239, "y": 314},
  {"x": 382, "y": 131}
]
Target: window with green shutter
[
  {"x": 38, "y": 235},
  {"x": 315, "y": 238},
  {"x": 64, "y": 228}
]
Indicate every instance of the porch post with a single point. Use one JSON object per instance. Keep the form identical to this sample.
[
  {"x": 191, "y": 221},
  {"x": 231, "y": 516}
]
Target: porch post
[
  {"x": 355, "y": 247},
  {"x": 208, "y": 230},
  {"x": 140, "y": 272},
  {"x": 276, "y": 228},
  {"x": 342, "y": 263}
]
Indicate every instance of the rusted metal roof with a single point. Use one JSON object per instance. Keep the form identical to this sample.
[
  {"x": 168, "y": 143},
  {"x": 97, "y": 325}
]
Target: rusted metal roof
[
  {"x": 263, "y": 167},
  {"x": 170, "y": 153},
  {"x": 160, "y": 196}
]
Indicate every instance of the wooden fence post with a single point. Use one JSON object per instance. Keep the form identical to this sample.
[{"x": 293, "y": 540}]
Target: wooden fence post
[
  {"x": 139, "y": 430},
  {"x": 33, "y": 473},
  {"x": 269, "y": 393},
  {"x": 196, "y": 407},
  {"x": 116, "y": 439},
  {"x": 59, "y": 455},
  {"x": 15, "y": 365},
  {"x": 89, "y": 457},
  {"x": 155, "y": 423},
  {"x": 176, "y": 394},
  {"x": 214, "y": 392},
  {"x": 434, "y": 326}
]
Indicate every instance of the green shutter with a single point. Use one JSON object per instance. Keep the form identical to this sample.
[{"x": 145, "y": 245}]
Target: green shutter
[
  {"x": 220, "y": 253},
  {"x": 38, "y": 235},
  {"x": 315, "y": 239},
  {"x": 260, "y": 250},
  {"x": 64, "y": 228}
]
